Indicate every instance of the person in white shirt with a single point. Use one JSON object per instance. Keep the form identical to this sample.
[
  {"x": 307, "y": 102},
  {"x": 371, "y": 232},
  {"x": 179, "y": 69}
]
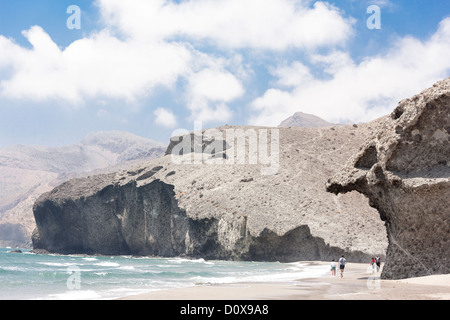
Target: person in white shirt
[{"x": 333, "y": 268}]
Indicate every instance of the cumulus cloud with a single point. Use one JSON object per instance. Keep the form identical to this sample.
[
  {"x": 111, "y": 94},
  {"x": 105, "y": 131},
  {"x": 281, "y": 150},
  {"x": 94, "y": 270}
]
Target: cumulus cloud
[
  {"x": 350, "y": 91},
  {"x": 145, "y": 45},
  {"x": 198, "y": 49},
  {"x": 165, "y": 118},
  {"x": 269, "y": 24},
  {"x": 98, "y": 66},
  {"x": 291, "y": 75},
  {"x": 209, "y": 91}
]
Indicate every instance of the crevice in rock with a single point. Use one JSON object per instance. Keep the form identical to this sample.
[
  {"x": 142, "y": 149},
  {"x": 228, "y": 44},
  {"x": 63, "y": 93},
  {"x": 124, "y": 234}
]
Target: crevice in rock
[{"x": 368, "y": 158}]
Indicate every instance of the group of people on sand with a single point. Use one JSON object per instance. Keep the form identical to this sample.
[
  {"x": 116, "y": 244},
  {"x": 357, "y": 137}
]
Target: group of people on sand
[
  {"x": 375, "y": 262},
  {"x": 342, "y": 263}
]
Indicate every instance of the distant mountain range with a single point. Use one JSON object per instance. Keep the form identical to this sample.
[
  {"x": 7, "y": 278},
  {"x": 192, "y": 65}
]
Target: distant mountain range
[
  {"x": 300, "y": 119},
  {"x": 28, "y": 171}
]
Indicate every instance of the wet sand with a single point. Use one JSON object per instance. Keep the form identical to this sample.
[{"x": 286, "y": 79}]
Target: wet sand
[{"x": 358, "y": 283}]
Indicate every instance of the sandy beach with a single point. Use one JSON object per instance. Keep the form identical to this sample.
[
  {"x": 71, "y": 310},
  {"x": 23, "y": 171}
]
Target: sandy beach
[{"x": 358, "y": 283}]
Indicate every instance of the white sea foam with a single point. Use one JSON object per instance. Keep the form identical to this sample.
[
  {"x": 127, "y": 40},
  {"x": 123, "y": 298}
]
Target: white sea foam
[
  {"x": 45, "y": 276},
  {"x": 90, "y": 259},
  {"x": 127, "y": 268},
  {"x": 12, "y": 268},
  {"x": 290, "y": 274},
  {"x": 184, "y": 260},
  {"x": 107, "y": 264},
  {"x": 58, "y": 264}
]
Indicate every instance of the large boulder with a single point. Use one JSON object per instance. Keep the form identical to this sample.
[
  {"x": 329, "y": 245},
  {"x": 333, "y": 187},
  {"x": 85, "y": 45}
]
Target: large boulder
[{"x": 404, "y": 170}]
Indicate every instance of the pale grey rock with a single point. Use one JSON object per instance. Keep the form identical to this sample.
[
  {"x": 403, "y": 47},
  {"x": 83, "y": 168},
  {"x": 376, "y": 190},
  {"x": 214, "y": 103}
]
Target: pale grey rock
[
  {"x": 300, "y": 119},
  {"x": 404, "y": 170},
  {"x": 219, "y": 210}
]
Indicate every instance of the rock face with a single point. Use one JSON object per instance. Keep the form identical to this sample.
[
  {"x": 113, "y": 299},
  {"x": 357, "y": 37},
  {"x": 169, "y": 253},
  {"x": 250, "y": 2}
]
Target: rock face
[
  {"x": 110, "y": 219},
  {"x": 404, "y": 170},
  {"x": 218, "y": 210}
]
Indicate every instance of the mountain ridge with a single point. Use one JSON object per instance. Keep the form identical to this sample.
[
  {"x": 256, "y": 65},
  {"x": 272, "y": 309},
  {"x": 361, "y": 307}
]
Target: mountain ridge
[
  {"x": 301, "y": 119},
  {"x": 28, "y": 171}
]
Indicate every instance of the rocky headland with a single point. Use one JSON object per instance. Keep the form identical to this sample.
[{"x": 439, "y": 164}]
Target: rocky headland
[
  {"x": 404, "y": 170},
  {"x": 204, "y": 200}
]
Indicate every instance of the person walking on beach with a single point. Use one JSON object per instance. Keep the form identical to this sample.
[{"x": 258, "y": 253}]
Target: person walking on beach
[
  {"x": 342, "y": 265},
  {"x": 372, "y": 264},
  {"x": 378, "y": 262},
  {"x": 333, "y": 268}
]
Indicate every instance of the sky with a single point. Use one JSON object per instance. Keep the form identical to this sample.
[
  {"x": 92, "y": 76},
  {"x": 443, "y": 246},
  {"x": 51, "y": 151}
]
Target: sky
[{"x": 152, "y": 67}]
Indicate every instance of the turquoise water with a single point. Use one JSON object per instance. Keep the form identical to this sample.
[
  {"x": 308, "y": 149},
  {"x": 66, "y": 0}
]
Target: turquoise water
[{"x": 27, "y": 276}]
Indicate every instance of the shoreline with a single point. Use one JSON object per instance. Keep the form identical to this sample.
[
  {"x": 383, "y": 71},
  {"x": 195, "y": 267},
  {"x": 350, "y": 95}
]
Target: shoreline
[{"x": 356, "y": 284}]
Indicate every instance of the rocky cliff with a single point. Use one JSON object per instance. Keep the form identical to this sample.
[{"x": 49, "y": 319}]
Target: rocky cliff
[
  {"x": 213, "y": 204},
  {"x": 404, "y": 170}
]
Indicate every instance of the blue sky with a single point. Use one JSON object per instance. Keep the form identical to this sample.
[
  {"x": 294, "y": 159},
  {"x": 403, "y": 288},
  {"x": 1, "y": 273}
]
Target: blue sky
[{"x": 153, "y": 66}]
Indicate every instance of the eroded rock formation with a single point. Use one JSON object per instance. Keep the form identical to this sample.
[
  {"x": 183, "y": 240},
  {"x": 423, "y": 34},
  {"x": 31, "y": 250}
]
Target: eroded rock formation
[
  {"x": 217, "y": 210},
  {"x": 404, "y": 170},
  {"x": 146, "y": 220}
]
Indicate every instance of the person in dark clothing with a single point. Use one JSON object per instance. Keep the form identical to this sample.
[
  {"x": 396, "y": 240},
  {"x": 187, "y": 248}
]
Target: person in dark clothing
[{"x": 342, "y": 265}]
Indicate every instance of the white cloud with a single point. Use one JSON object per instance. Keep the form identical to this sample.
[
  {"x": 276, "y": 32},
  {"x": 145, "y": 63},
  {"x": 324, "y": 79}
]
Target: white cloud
[
  {"x": 105, "y": 67},
  {"x": 269, "y": 24},
  {"x": 208, "y": 93},
  {"x": 165, "y": 118},
  {"x": 215, "y": 85},
  {"x": 291, "y": 75},
  {"x": 357, "y": 92},
  {"x": 150, "y": 44},
  {"x": 94, "y": 67}
]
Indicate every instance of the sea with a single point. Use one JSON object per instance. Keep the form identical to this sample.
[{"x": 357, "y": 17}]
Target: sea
[{"x": 30, "y": 276}]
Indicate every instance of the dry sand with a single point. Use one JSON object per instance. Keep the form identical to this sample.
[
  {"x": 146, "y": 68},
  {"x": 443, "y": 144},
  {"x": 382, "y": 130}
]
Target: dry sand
[{"x": 358, "y": 283}]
